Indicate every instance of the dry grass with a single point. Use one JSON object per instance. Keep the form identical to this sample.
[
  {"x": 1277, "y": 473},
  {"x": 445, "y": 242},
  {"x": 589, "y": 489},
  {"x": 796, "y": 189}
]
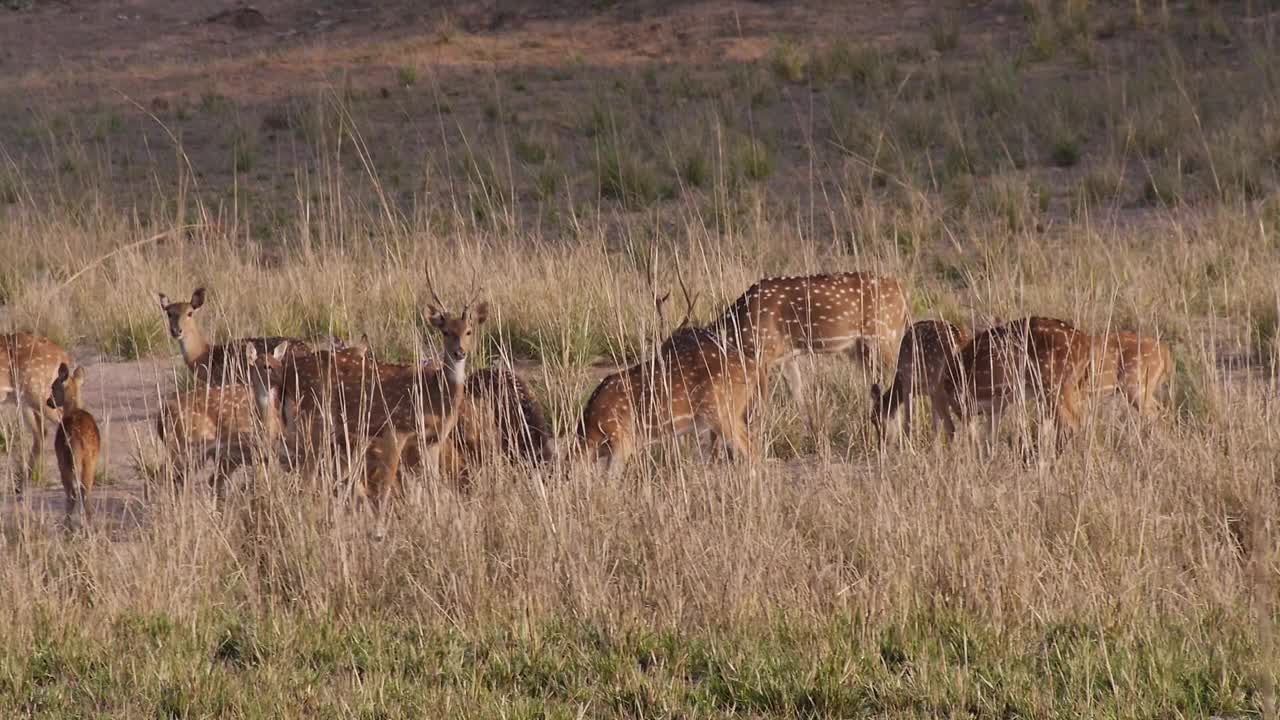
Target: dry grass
[{"x": 1132, "y": 578}]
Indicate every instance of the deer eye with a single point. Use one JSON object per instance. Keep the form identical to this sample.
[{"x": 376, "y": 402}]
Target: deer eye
[{"x": 189, "y": 313}]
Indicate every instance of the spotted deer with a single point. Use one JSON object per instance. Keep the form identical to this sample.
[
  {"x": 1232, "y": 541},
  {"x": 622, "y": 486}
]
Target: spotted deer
[
  {"x": 1132, "y": 366},
  {"x": 324, "y": 399},
  {"x": 77, "y": 442},
  {"x": 927, "y": 352},
  {"x": 333, "y": 395},
  {"x": 421, "y": 405},
  {"x": 214, "y": 364},
  {"x": 1040, "y": 360},
  {"x": 499, "y": 417},
  {"x": 697, "y": 382},
  {"x": 28, "y": 366},
  {"x": 219, "y": 423},
  {"x": 779, "y": 319}
]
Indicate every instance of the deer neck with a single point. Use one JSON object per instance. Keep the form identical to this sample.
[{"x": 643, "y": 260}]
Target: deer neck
[
  {"x": 454, "y": 372},
  {"x": 267, "y": 405},
  {"x": 194, "y": 346},
  {"x": 71, "y": 403}
]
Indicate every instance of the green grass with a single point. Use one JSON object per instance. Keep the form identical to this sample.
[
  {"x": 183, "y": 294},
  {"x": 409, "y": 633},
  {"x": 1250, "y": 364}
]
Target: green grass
[
  {"x": 928, "y": 664},
  {"x": 135, "y": 337}
]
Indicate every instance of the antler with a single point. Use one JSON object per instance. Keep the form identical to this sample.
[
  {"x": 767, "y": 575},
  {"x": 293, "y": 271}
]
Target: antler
[
  {"x": 432, "y": 289},
  {"x": 659, "y": 301},
  {"x": 477, "y": 289},
  {"x": 689, "y": 300}
]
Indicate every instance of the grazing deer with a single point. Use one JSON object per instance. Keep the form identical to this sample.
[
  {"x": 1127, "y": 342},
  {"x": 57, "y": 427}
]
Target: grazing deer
[
  {"x": 1133, "y": 366},
  {"x": 778, "y": 319},
  {"x": 696, "y": 382},
  {"x": 1042, "y": 360},
  {"x": 928, "y": 351},
  {"x": 214, "y": 364},
  {"x": 77, "y": 442},
  {"x": 28, "y": 366},
  {"x": 221, "y": 423}
]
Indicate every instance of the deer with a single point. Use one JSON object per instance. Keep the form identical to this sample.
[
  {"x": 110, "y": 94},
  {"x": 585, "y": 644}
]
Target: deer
[
  {"x": 421, "y": 405},
  {"x": 219, "y": 423},
  {"x": 781, "y": 318},
  {"x": 28, "y": 366},
  {"x": 697, "y": 382},
  {"x": 1133, "y": 366},
  {"x": 214, "y": 364},
  {"x": 324, "y": 399},
  {"x": 499, "y": 417},
  {"x": 1042, "y": 360},
  {"x": 927, "y": 352},
  {"x": 77, "y": 442},
  {"x": 498, "y": 414}
]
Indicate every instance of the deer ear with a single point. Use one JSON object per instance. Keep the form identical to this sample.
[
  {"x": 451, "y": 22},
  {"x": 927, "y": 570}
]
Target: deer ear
[
  {"x": 197, "y": 298},
  {"x": 80, "y": 374},
  {"x": 281, "y": 350},
  {"x": 164, "y": 301},
  {"x": 480, "y": 313},
  {"x": 250, "y": 354},
  {"x": 435, "y": 317}
]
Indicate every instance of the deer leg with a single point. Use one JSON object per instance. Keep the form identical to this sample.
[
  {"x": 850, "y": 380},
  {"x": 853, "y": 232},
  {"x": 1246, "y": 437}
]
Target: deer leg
[
  {"x": 943, "y": 420},
  {"x": 794, "y": 378},
  {"x": 385, "y": 453},
  {"x": 612, "y": 456},
  {"x": 32, "y": 420},
  {"x": 737, "y": 440},
  {"x": 67, "y": 471},
  {"x": 1066, "y": 419},
  {"x": 88, "y": 465},
  {"x": 991, "y": 424},
  {"x": 228, "y": 461}
]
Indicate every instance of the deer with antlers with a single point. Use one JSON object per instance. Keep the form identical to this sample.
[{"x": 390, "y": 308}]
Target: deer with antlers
[
  {"x": 927, "y": 352},
  {"x": 1041, "y": 361},
  {"x": 327, "y": 400},
  {"x": 1133, "y": 366},
  {"x": 779, "y": 319},
  {"x": 214, "y": 364},
  {"x": 422, "y": 405},
  {"x": 28, "y": 366}
]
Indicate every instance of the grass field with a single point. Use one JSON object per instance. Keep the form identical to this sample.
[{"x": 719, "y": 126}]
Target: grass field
[{"x": 1110, "y": 164}]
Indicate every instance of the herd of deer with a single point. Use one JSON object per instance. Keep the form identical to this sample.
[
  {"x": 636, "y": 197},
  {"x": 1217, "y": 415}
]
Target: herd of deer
[{"x": 262, "y": 399}]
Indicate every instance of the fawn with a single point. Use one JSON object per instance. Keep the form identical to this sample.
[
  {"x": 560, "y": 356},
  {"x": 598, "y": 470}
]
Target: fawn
[
  {"x": 928, "y": 351},
  {"x": 77, "y": 442},
  {"x": 28, "y": 366}
]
